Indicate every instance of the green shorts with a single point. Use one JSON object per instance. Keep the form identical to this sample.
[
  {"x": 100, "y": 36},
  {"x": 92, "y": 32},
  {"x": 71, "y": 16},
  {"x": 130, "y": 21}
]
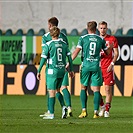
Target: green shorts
[
  {"x": 53, "y": 83},
  {"x": 94, "y": 78},
  {"x": 65, "y": 81}
]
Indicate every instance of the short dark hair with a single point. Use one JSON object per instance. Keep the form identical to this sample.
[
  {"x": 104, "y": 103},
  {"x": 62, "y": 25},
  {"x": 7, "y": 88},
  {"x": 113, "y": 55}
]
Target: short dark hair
[
  {"x": 54, "y": 31},
  {"x": 92, "y": 25},
  {"x": 54, "y": 21}
]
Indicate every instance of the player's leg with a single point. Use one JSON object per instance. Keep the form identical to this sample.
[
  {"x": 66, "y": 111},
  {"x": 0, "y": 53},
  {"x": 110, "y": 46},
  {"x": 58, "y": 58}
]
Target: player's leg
[
  {"x": 83, "y": 99},
  {"x": 66, "y": 94},
  {"x": 51, "y": 105},
  {"x": 59, "y": 96},
  {"x": 84, "y": 79},
  {"x": 108, "y": 91},
  {"x": 64, "y": 108},
  {"x": 102, "y": 107},
  {"x": 96, "y": 83},
  {"x": 96, "y": 90},
  {"x": 47, "y": 112},
  {"x": 109, "y": 82},
  {"x": 51, "y": 87}
]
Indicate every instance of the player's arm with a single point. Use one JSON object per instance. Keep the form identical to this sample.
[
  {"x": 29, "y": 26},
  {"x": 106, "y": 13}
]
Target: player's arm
[
  {"x": 75, "y": 53},
  {"x": 115, "y": 49},
  {"x": 71, "y": 73},
  {"x": 107, "y": 49},
  {"x": 43, "y": 61},
  {"x": 116, "y": 54}
]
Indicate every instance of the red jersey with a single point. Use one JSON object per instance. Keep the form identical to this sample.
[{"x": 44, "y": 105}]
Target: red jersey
[{"x": 107, "y": 59}]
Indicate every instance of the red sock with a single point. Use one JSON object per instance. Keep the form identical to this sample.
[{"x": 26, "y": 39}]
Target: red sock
[{"x": 107, "y": 106}]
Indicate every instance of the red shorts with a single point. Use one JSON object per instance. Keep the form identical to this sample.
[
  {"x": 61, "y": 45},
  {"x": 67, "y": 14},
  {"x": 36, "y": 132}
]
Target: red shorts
[{"x": 108, "y": 77}]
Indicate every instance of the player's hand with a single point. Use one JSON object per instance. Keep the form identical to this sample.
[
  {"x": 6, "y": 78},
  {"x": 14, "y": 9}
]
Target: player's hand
[
  {"x": 71, "y": 74},
  {"x": 38, "y": 76},
  {"x": 67, "y": 65},
  {"x": 110, "y": 44},
  {"x": 110, "y": 67}
]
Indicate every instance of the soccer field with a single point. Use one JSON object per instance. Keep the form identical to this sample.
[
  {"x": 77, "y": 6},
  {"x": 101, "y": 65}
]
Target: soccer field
[{"x": 20, "y": 114}]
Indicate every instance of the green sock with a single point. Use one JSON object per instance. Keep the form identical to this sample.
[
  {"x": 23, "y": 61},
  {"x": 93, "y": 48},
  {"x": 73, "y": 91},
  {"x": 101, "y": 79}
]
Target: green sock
[
  {"x": 96, "y": 100},
  {"x": 51, "y": 104},
  {"x": 48, "y": 101},
  {"x": 67, "y": 97},
  {"x": 83, "y": 98},
  {"x": 60, "y": 98}
]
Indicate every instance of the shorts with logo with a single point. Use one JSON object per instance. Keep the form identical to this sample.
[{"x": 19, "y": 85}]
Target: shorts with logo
[
  {"x": 108, "y": 77},
  {"x": 91, "y": 77}
]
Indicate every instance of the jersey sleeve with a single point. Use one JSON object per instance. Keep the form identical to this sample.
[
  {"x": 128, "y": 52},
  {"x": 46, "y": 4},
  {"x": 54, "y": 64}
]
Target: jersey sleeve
[
  {"x": 80, "y": 43},
  {"x": 64, "y": 38},
  {"x": 44, "y": 40},
  {"x": 70, "y": 60},
  {"x": 115, "y": 43},
  {"x": 104, "y": 47},
  {"x": 45, "y": 51}
]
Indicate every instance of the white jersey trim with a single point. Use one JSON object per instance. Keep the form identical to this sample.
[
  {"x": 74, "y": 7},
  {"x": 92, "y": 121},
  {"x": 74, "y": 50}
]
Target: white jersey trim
[{"x": 44, "y": 56}]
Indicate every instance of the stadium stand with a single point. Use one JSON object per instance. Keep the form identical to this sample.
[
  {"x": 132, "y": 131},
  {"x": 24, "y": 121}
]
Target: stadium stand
[
  {"x": 30, "y": 32},
  {"x": 41, "y": 32},
  {"x": 119, "y": 32},
  {"x": 19, "y": 32},
  {"x": 84, "y": 31},
  {"x": 109, "y": 32},
  {"x": 64, "y": 31},
  {"x": 9, "y": 32},
  {"x": 97, "y": 32},
  {"x": 129, "y": 32},
  {"x": 74, "y": 32}
]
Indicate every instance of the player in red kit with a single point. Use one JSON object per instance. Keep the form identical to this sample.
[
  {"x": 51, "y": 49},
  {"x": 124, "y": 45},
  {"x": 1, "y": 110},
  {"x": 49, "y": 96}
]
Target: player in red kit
[{"x": 107, "y": 66}]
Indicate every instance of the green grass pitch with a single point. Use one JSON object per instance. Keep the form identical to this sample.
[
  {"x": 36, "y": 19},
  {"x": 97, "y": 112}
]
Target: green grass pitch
[{"x": 20, "y": 114}]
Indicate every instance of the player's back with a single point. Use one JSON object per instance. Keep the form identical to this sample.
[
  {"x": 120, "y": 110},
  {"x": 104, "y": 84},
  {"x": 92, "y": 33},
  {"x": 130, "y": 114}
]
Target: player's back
[
  {"x": 58, "y": 51},
  {"x": 92, "y": 45}
]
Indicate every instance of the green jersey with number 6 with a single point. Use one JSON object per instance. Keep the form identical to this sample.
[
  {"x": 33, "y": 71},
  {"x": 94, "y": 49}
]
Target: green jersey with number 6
[
  {"x": 91, "y": 45},
  {"x": 56, "y": 52}
]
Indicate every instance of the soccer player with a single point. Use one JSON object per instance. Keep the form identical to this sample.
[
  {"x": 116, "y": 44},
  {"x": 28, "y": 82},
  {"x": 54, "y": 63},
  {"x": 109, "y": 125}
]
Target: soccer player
[
  {"x": 91, "y": 45},
  {"x": 53, "y": 21},
  {"x": 55, "y": 51},
  {"x": 107, "y": 66}
]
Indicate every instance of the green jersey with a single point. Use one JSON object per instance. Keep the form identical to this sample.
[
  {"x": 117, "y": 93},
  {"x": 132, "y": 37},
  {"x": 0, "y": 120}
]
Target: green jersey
[
  {"x": 91, "y": 45},
  {"x": 47, "y": 37},
  {"x": 56, "y": 52}
]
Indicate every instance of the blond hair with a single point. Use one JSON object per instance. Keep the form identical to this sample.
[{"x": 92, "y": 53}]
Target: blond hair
[
  {"x": 54, "y": 31},
  {"x": 103, "y": 23}
]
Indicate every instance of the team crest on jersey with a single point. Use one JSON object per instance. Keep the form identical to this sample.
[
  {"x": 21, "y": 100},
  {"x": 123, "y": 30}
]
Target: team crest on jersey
[
  {"x": 91, "y": 59},
  {"x": 60, "y": 65}
]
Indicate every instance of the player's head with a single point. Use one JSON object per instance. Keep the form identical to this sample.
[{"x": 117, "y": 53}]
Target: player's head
[
  {"x": 91, "y": 26},
  {"x": 102, "y": 27},
  {"x": 54, "y": 32},
  {"x": 52, "y": 22}
]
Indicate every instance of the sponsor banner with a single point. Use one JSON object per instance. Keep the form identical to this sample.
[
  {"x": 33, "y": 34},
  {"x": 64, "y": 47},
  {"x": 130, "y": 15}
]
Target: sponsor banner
[
  {"x": 125, "y": 50},
  {"x": 21, "y": 79},
  {"x": 20, "y": 50},
  {"x": 27, "y": 50}
]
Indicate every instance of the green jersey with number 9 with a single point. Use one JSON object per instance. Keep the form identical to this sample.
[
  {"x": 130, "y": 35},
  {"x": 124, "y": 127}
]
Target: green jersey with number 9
[{"x": 91, "y": 45}]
